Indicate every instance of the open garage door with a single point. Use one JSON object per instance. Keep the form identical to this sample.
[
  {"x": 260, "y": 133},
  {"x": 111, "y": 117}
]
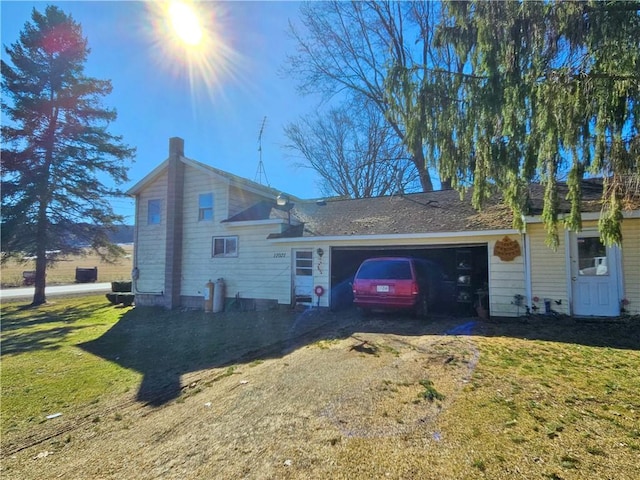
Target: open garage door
[{"x": 466, "y": 268}]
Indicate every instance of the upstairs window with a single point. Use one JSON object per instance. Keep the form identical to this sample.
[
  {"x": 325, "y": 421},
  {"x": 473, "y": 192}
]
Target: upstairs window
[
  {"x": 205, "y": 207},
  {"x": 225, "y": 246},
  {"x": 154, "y": 212}
]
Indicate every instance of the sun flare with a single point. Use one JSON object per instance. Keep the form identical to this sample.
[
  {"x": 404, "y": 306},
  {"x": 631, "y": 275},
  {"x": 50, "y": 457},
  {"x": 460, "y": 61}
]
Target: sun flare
[
  {"x": 185, "y": 23},
  {"x": 192, "y": 39}
]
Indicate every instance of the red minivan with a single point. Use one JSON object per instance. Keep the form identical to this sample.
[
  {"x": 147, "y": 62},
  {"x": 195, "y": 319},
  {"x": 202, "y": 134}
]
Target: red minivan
[{"x": 396, "y": 283}]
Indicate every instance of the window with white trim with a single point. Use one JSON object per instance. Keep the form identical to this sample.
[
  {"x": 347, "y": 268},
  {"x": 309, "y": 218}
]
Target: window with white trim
[
  {"x": 225, "y": 247},
  {"x": 205, "y": 207},
  {"x": 154, "y": 212}
]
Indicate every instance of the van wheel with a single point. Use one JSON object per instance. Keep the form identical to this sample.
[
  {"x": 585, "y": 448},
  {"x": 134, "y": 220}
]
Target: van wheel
[{"x": 422, "y": 308}]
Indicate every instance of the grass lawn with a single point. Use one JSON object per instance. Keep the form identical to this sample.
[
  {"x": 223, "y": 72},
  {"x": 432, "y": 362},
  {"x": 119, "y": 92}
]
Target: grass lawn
[
  {"x": 562, "y": 410},
  {"x": 391, "y": 398},
  {"x": 44, "y": 369}
]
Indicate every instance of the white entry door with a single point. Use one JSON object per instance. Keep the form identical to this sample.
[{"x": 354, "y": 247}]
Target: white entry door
[
  {"x": 594, "y": 276},
  {"x": 303, "y": 276}
]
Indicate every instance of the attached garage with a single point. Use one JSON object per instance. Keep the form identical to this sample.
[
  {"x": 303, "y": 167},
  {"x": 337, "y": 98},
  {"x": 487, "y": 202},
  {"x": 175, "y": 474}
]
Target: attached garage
[
  {"x": 465, "y": 267},
  {"x": 437, "y": 226}
]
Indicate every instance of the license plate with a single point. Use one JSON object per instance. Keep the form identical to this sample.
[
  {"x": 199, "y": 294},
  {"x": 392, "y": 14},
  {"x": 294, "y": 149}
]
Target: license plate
[{"x": 382, "y": 288}]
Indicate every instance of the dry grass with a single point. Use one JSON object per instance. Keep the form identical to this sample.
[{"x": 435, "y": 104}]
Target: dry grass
[
  {"x": 64, "y": 271},
  {"x": 383, "y": 398}
]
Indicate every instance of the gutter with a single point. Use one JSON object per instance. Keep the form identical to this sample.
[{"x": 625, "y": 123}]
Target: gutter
[{"x": 397, "y": 236}]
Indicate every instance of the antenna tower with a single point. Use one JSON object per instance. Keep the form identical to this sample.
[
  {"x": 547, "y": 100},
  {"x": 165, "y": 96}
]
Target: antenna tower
[{"x": 261, "y": 172}]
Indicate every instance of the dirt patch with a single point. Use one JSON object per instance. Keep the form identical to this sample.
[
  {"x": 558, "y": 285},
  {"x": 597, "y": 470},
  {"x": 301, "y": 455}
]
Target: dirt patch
[{"x": 346, "y": 385}]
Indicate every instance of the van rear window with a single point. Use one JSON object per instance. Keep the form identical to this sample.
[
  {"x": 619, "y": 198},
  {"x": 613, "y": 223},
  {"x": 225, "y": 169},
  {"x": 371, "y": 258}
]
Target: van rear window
[{"x": 385, "y": 270}]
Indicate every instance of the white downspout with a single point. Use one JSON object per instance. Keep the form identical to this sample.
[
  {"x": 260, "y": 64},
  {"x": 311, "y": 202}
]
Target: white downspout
[
  {"x": 568, "y": 274},
  {"x": 527, "y": 270}
]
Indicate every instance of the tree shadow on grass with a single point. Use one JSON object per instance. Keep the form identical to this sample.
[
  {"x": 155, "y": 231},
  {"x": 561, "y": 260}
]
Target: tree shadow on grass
[
  {"x": 28, "y": 328},
  {"x": 164, "y": 345}
]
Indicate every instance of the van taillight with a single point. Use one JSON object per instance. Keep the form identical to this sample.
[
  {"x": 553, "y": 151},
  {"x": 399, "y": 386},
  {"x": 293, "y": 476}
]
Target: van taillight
[{"x": 414, "y": 288}]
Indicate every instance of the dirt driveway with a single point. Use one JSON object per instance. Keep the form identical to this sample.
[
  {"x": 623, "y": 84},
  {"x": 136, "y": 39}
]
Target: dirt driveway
[{"x": 332, "y": 387}]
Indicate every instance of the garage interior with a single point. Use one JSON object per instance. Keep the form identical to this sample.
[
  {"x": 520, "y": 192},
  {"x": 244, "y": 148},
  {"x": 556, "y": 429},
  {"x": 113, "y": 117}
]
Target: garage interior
[{"x": 465, "y": 268}]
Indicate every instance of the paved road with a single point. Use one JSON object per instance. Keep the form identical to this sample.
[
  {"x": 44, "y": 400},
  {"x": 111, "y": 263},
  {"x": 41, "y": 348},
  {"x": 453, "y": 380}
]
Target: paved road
[{"x": 11, "y": 293}]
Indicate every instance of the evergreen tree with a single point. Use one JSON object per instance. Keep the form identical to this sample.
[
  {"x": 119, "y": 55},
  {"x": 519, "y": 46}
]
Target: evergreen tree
[
  {"x": 56, "y": 148},
  {"x": 550, "y": 92}
]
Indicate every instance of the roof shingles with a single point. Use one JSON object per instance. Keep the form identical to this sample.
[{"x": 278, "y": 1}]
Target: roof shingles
[{"x": 440, "y": 211}]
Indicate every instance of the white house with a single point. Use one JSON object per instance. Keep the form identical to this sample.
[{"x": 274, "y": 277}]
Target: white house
[{"x": 196, "y": 223}]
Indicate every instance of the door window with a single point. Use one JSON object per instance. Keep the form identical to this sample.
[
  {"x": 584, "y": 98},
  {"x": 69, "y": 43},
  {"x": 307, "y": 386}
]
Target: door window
[
  {"x": 592, "y": 257},
  {"x": 304, "y": 263}
]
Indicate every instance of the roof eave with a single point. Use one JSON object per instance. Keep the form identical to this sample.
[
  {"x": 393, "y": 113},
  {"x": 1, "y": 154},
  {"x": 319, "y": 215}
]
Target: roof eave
[
  {"x": 147, "y": 179},
  {"x": 397, "y": 236}
]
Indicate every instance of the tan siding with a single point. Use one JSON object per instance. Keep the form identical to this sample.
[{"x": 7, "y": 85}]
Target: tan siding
[
  {"x": 631, "y": 263},
  {"x": 195, "y": 183},
  {"x": 548, "y": 270},
  {"x": 151, "y": 239},
  {"x": 255, "y": 273},
  {"x": 506, "y": 280},
  {"x": 197, "y": 235}
]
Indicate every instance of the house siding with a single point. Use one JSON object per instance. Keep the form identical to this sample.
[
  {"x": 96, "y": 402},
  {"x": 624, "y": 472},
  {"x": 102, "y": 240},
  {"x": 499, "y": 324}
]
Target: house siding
[
  {"x": 506, "y": 281},
  {"x": 150, "y": 243},
  {"x": 197, "y": 235},
  {"x": 548, "y": 270},
  {"x": 256, "y": 272},
  {"x": 631, "y": 263}
]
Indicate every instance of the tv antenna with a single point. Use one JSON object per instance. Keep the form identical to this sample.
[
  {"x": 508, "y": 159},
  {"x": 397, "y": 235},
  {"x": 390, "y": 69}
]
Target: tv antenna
[{"x": 261, "y": 172}]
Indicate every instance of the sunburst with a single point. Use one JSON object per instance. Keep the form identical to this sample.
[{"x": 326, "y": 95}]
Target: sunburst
[{"x": 188, "y": 38}]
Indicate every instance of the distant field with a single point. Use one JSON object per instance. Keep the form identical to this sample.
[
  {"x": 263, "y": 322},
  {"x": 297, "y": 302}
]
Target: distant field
[{"x": 64, "y": 271}]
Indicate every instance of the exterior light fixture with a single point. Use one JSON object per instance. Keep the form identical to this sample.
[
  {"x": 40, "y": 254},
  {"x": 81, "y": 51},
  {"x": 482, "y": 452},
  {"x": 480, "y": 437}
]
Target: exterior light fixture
[{"x": 282, "y": 199}]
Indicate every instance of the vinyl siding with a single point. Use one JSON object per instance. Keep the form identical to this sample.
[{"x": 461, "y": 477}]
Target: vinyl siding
[
  {"x": 151, "y": 239},
  {"x": 631, "y": 263},
  {"x": 506, "y": 280},
  {"x": 548, "y": 270},
  {"x": 255, "y": 272},
  {"x": 197, "y": 235}
]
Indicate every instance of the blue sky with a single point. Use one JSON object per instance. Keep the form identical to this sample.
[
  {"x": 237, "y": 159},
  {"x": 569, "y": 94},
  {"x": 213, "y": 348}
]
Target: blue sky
[{"x": 218, "y": 110}]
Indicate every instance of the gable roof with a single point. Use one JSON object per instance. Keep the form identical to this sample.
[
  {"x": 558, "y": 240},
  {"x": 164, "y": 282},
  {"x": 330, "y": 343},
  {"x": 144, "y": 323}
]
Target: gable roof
[{"x": 225, "y": 177}]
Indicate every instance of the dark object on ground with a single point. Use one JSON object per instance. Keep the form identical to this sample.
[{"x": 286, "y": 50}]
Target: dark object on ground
[
  {"x": 29, "y": 277},
  {"x": 121, "y": 294},
  {"x": 124, "y": 287},
  {"x": 86, "y": 275}
]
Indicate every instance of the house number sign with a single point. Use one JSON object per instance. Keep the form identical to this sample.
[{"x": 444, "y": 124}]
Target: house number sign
[{"x": 280, "y": 255}]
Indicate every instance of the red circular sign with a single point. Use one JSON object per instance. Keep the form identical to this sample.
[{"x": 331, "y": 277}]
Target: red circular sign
[{"x": 319, "y": 290}]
